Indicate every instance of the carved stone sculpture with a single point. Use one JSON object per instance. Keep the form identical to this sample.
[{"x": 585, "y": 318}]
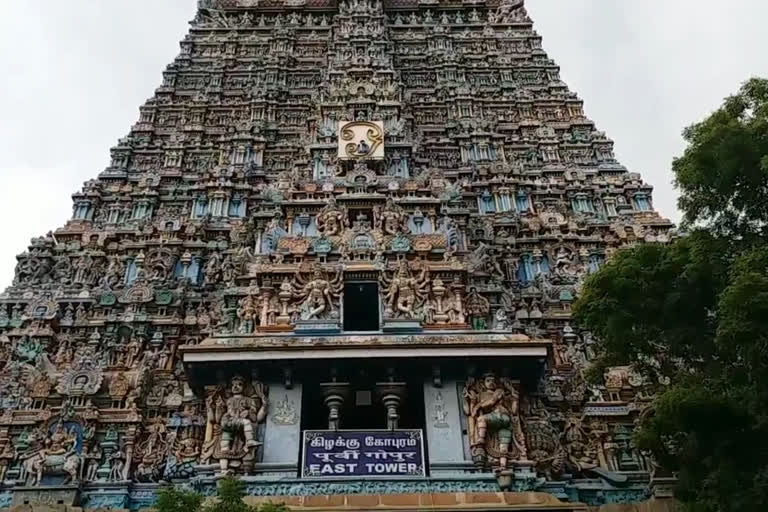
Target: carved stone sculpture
[
  {"x": 318, "y": 297},
  {"x": 404, "y": 293},
  {"x": 233, "y": 417},
  {"x": 493, "y": 412},
  {"x": 332, "y": 219},
  {"x": 54, "y": 453}
]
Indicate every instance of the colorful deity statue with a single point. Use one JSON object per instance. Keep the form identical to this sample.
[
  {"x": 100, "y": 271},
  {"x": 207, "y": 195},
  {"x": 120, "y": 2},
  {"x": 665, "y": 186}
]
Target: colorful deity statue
[{"x": 248, "y": 312}]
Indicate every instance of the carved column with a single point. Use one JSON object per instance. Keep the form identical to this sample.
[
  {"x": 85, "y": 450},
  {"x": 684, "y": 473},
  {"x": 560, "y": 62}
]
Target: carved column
[
  {"x": 334, "y": 395},
  {"x": 391, "y": 395},
  {"x": 129, "y": 438}
]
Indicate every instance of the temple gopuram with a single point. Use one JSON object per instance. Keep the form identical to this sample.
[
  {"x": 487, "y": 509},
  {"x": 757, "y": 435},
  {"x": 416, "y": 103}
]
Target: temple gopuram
[{"x": 335, "y": 257}]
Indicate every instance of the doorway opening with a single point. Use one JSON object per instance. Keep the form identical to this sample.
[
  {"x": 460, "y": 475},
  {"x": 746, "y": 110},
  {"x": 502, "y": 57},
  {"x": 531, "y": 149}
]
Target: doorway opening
[
  {"x": 363, "y": 408},
  {"x": 361, "y": 306}
]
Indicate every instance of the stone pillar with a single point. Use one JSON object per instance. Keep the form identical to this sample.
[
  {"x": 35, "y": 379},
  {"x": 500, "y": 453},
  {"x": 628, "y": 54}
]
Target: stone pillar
[
  {"x": 391, "y": 395},
  {"x": 129, "y": 439},
  {"x": 282, "y": 434},
  {"x": 443, "y": 421},
  {"x": 334, "y": 395}
]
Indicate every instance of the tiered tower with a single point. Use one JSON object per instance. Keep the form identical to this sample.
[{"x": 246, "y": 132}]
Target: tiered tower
[{"x": 336, "y": 255}]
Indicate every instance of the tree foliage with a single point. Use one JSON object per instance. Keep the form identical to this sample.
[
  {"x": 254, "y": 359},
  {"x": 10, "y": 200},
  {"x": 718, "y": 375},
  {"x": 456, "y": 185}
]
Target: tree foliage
[
  {"x": 173, "y": 499},
  {"x": 723, "y": 174},
  {"x": 231, "y": 494},
  {"x": 694, "y": 314}
]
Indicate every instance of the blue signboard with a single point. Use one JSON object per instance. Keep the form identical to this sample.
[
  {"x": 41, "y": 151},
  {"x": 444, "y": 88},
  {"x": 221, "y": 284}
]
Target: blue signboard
[{"x": 369, "y": 453}]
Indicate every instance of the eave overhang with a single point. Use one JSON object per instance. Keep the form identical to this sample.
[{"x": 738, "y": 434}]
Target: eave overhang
[{"x": 464, "y": 345}]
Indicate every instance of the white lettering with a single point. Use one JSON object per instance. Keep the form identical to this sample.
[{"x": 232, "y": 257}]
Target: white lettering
[
  {"x": 390, "y": 467},
  {"x": 332, "y": 469},
  {"x": 389, "y": 442}
]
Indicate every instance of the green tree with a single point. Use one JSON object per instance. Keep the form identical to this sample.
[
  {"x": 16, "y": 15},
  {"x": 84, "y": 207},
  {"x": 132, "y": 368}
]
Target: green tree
[
  {"x": 173, "y": 499},
  {"x": 723, "y": 173},
  {"x": 231, "y": 492},
  {"x": 230, "y": 499},
  {"x": 694, "y": 314}
]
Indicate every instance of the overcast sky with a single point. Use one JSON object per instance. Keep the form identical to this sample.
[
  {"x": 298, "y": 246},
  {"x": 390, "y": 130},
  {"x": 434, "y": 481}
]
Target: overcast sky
[{"x": 73, "y": 74}]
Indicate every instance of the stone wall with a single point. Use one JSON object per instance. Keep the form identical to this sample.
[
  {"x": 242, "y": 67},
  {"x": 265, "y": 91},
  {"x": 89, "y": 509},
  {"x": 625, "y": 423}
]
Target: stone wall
[{"x": 445, "y": 501}]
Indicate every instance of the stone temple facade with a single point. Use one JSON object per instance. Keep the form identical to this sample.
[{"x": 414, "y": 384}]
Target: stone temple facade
[{"x": 335, "y": 256}]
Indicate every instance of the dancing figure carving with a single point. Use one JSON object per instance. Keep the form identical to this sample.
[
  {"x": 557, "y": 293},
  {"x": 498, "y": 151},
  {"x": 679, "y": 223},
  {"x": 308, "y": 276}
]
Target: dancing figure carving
[
  {"x": 495, "y": 430},
  {"x": 318, "y": 296},
  {"x": 404, "y": 292}
]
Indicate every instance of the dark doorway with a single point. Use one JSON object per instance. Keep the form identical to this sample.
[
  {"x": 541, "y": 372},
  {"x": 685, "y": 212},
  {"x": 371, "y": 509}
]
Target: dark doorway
[
  {"x": 361, "y": 306},
  {"x": 362, "y": 409}
]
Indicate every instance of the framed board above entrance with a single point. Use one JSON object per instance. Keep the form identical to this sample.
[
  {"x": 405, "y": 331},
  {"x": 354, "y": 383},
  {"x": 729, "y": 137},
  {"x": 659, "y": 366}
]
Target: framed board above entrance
[{"x": 369, "y": 453}]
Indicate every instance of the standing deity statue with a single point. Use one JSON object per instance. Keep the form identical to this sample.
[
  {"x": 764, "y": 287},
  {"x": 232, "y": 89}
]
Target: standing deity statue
[
  {"x": 228, "y": 271},
  {"x": 116, "y": 463},
  {"x": 83, "y": 268},
  {"x": 318, "y": 296},
  {"x": 92, "y": 463},
  {"x": 332, "y": 219},
  {"x": 248, "y": 312},
  {"x": 404, "y": 293},
  {"x": 456, "y": 309},
  {"x": 232, "y": 421},
  {"x": 133, "y": 351},
  {"x": 478, "y": 309},
  {"x": 495, "y": 430},
  {"x": 151, "y": 453}
]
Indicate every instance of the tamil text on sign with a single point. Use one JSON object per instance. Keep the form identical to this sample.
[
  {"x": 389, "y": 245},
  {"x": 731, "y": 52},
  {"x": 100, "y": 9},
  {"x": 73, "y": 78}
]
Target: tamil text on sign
[{"x": 382, "y": 453}]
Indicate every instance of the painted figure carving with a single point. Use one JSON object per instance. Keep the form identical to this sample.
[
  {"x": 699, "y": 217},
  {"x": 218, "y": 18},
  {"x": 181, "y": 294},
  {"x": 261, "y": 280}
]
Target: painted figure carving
[
  {"x": 248, "y": 312},
  {"x": 232, "y": 422},
  {"x": 404, "y": 293},
  {"x": 332, "y": 219},
  {"x": 392, "y": 219},
  {"x": 55, "y": 454},
  {"x": 318, "y": 296},
  {"x": 495, "y": 431}
]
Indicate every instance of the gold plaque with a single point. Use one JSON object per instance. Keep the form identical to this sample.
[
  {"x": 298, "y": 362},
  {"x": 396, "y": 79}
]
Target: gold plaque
[{"x": 360, "y": 140}]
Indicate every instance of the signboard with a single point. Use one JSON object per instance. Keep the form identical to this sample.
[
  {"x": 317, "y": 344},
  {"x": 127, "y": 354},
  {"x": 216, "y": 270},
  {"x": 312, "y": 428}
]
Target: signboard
[{"x": 369, "y": 453}]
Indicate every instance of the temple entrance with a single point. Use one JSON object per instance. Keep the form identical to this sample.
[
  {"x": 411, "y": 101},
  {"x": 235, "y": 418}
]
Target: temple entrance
[
  {"x": 361, "y": 306},
  {"x": 366, "y": 403}
]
